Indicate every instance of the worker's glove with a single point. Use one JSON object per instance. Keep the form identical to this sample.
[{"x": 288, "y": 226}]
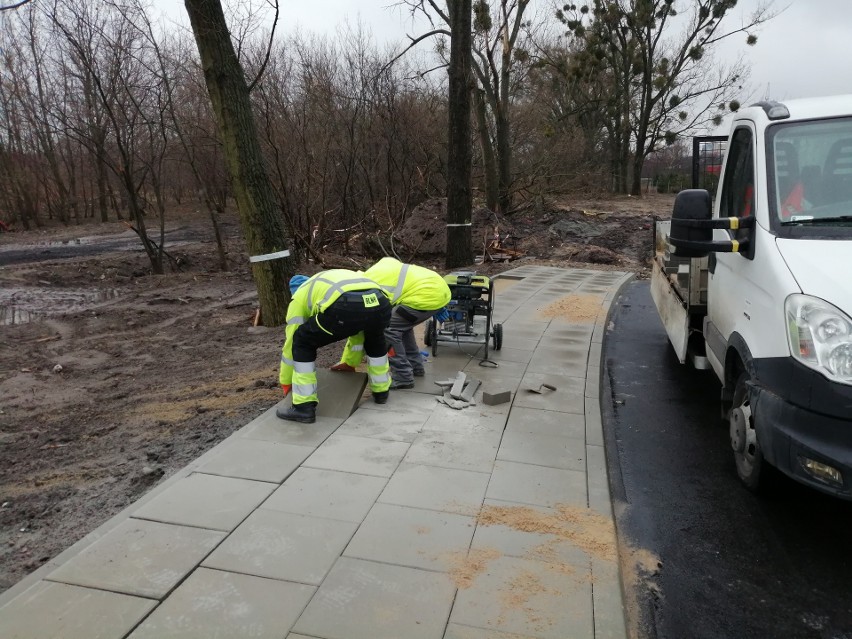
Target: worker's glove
[
  {"x": 442, "y": 316},
  {"x": 343, "y": 367},
  {"x": 286, "y": 388}
]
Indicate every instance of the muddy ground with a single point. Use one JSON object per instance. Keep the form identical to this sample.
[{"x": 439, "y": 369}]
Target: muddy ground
[{"x": 112, "y": 378}]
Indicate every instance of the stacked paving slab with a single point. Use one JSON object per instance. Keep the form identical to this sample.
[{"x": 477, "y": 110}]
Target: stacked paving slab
[{"x": 405, "y": 520}]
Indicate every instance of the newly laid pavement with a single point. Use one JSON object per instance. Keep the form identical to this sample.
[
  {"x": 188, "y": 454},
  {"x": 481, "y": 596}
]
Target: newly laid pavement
[{"x": 407, "y": 520}]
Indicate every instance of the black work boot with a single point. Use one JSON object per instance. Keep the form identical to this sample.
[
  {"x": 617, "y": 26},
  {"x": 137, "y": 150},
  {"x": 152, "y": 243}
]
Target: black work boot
[
  {"x": 305, "y": 413},
  {"x": 381, "y": 398}
]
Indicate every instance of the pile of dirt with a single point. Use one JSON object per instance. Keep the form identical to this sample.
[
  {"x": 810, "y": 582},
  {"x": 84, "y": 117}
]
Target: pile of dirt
[{"x": 424, "y": 232}]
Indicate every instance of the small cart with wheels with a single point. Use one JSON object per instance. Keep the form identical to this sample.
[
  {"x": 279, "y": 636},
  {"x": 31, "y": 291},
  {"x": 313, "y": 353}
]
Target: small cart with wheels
[{"x": 471, "y": 308}]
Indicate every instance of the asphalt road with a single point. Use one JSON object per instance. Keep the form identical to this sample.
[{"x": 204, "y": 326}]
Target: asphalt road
[{"x": 731, "y": 564}]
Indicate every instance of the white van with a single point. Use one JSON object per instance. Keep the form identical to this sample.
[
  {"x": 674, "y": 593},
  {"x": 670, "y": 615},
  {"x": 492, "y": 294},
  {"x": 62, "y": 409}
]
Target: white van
[{"x": 758, "y": 285}]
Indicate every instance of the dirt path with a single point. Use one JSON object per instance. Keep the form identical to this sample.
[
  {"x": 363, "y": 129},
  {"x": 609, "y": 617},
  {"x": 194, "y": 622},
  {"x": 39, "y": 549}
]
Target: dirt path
[{"x": 117, "y": 378}]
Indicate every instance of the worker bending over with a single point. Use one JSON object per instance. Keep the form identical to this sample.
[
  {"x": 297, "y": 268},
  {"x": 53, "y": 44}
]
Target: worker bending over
[
  {"x": 326, "y": 308},
  {"x": 416, "y": 293}
]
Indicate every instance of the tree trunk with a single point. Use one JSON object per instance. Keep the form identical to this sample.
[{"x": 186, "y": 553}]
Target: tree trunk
[
  {"x": 489, "y": 163},
  {"x": 255, "y": 198},
  {"x": 459, "y": 246}
]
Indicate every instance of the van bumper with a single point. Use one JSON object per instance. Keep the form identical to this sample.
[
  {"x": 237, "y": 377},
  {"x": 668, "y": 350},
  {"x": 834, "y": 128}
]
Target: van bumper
[{"x": 789, "y": 433}]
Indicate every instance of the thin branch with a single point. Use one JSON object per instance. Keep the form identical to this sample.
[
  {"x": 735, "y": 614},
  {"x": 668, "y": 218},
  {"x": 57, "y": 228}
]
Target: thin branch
[{"x": 268, "y": 48}]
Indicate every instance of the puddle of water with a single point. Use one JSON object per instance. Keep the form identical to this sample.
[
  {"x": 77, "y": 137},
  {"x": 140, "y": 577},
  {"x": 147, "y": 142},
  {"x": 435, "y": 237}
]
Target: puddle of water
[{"x": 23, "y": 305}]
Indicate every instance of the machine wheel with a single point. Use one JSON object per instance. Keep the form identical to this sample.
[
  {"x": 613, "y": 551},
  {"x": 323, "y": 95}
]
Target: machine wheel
[
  {"x": 752, "y": 468},
  {"x": 427, "y": 334},
  {"x": 433, "y": 336},
  {"x": 497, "y": 335}
]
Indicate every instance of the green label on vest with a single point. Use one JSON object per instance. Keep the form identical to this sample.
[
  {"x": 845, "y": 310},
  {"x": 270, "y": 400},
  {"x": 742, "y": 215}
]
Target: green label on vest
[{"x": 370, "y": 300}]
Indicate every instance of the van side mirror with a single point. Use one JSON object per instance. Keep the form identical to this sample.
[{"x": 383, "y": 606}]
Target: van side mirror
[
  {"x": 691, "y": 204},
  {"x": 692, "y": 226}
]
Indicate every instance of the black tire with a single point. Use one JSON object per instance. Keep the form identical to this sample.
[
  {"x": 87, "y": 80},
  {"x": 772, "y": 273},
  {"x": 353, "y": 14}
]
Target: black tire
[
  {"x": 433, "y": 325},
  {"x": 497, "y": 334},
  {"x": 754, "y": 471},
  {"x": 427, "y": 334}
]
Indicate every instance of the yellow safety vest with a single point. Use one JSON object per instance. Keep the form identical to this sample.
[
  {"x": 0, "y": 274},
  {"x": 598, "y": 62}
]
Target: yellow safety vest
[{"x": 410, "y": 285}]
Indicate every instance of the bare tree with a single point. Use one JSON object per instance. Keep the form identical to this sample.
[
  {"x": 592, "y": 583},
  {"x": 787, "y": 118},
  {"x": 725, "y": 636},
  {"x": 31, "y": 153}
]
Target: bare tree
[
  {"x": 255, "y": 197},
  {"x": 662, "y": 81},
  {"x": 459, "y": 247}
]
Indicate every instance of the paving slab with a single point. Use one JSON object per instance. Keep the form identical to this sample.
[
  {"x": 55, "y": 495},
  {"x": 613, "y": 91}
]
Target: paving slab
[
  {"x": 466, "y": 451},
  {"x": 434, "y": 488},
  {"x": 567, "y": 398},
  {"x": 207, "y": 501},
  {"x": 363, "y": 455},
  {"x": 327, "y": 493},
  {"x": 283, "y": 546},
  {"x": 537, "y": 485},
  {"x": 221, "y": 605},
  {"x": 255, "y": 459},
  {"x": 546, "y": 422},
  {"x": 59, "y": 611},
  {"x": 385, "y": 424},
  {"x": 138, "y": 557},
  {"x": 365, "y": 600},
  {"x": 412, "y": 537},
  {"x": 270, "y": 428},
  {"x": 531, "y": 597},
  {"x": 555, "y": 451}
]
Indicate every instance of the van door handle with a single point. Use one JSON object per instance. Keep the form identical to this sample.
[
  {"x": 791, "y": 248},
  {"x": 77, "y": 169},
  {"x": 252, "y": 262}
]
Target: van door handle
[{"x": 711, "y": 263}]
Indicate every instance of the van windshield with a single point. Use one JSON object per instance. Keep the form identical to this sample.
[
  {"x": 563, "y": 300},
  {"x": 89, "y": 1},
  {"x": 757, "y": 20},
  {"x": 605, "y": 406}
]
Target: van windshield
[{"x": 810, "y": 166}]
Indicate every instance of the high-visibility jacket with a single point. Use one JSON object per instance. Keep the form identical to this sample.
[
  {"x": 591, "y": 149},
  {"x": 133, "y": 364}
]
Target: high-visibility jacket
[
  {"x": 312, "y": 298},
  {"x": 409, "y": 285}
]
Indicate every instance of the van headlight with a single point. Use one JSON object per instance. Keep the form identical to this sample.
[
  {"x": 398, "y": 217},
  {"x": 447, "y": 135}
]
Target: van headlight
[{"x": 820, "y": 336}]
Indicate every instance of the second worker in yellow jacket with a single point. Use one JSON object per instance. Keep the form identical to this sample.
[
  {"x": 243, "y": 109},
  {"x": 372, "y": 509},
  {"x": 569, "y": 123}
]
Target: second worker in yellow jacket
[{"x": 416, "y": 293}]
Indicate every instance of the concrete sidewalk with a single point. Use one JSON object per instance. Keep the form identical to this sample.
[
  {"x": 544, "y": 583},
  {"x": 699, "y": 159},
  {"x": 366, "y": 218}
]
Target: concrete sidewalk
[{"x": 406, "y": 520}]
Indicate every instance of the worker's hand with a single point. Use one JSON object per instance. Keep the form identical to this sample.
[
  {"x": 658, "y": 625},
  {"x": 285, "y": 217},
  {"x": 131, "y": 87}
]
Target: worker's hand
[
  {"x": 343, "y": 367},
  {"x": 442, "y": 316},
  {"x": 286, "y": 388}
]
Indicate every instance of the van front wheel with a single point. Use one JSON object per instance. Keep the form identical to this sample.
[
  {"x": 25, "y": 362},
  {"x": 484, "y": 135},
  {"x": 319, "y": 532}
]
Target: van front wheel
[{"x": 752, "y": 468}]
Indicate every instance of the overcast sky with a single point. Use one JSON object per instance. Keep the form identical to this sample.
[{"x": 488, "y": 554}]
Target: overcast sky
[{"x": 805, "y": 51}]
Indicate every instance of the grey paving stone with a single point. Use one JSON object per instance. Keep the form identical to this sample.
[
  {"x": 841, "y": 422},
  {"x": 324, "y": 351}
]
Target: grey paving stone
[
  {"x": 327, "y": 493},
  {"x": 401, "y": 402},
  {"x": 206, "y": 501},
  {"x": 555, "y": 451},
  {"x": 255, "y": 459},
  {"x": 358, "y": 455},
  {"x": 283, "y": 546},
  {"x": 546, "y": 422},
  {"x": 559, "y": 361},
  {"x": 457, "y": 631},
  {"x": 268, "y": 427},
  {"x": 390, "y": 425},
  {"x": 515, "y": 539},
  {"x": 600, "y": 498},
  {"x": 471, "y": 420},
  {"x": 366, "y": 600},
  {"x": 220, "y": 605},
  {"x": 593, "y": 387},
  {"x": 412, "y": 537},
  {"x": 58, "y": 611},
  {"x": 567, "y": 398},
  {"x": 608, "y": 601},
  {"x": 139, "y": 557},
  {"x": 530, "y": 598},
  {"x": 508, "y": 356},
  {"x": 339, "y": 393},
  {"x": 433, "y": 488},
  {"x": 538, "y": 485},
  {"x": 467, "y": 451}
]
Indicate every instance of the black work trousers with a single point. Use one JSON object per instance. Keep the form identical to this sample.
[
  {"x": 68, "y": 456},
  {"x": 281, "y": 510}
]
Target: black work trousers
[{"x": 346, "y": 316}]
